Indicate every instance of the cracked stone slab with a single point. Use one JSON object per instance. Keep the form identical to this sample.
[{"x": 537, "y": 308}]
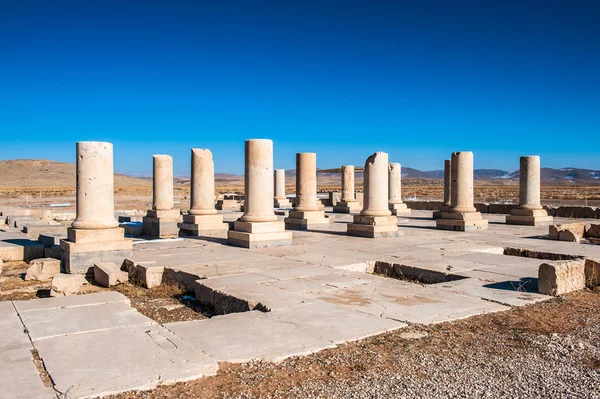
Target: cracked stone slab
[
  {"x": 19, "y": 377},
  {"x": 48, "y": 323},
  {"x": 121, "y": 359},
  {"x": 241, "y": 337},
  {"x": 70, "y": 301},
  {"x": 336, "y": 323}
]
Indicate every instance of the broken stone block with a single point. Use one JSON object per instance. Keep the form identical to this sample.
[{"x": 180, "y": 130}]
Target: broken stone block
[
  {"x": 573, "y": 232},
  {"x": 561, "y": 277},
  {"x": 108, "y": 274},
  {"x": 54, "y": 251},
  {"x": 592, "y": 273},
  {"x": 67, "y": 284},
  {"x": 593, "y": 231},
  {"x": 43, "y": 269}
]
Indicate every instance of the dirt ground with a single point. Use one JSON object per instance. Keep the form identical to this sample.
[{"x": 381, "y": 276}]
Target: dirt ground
[{"x": 549, "y": 349}]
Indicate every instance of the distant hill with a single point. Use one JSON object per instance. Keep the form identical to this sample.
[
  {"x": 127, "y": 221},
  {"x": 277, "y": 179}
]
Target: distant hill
[{"x": 43, "y": 173}]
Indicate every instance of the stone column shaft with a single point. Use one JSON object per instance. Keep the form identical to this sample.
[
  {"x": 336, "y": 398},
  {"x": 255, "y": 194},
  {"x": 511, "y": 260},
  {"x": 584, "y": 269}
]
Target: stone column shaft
[
  {"x": 162, "y": 183},
  {"x": 447, "y": 182},
  {"x": 258, "y": 182},
  {"x": 306, "y": 182},
  {"x": 348, "y": 194},
  {"x": 395, "y": 183},
  {"x": 375, "y": 200},
  {"x": 529, "y": 183},
  {"x": 95, "y": 186},
  {"x": 462, "y": 182},
  {"x": 280, "y": 183},
  {"x": 203, "y": 183}
]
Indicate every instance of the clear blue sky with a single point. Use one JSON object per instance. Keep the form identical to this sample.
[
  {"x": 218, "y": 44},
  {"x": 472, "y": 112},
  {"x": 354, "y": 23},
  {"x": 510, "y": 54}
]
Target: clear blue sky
[{"x": 418, "y": 79}]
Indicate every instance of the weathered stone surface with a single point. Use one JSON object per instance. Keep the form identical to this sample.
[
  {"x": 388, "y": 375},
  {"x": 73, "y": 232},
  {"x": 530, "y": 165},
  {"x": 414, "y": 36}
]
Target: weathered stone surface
[
  {"x": 561, "y": 277},
  {"x": 67, "y": 284},
  {"x": 592, "y": 273},
  {"x": 593, "y": 231},
  {"x": 43, "y": 269},
  {"x": 573, "y": 232},
  {"x": 108, "y": 274}
]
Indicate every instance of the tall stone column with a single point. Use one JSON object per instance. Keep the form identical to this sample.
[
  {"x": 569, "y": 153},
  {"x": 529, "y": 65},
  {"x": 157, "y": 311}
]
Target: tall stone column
[
  {"x": 530, "y": 211},
  {"x": 281, "y": 201},
  {"x": 375, "y": 220},
  {"x": 348, "y": 204},
  {"x": 447, "y": 184},
  {"x": 396, "y": 205},
  {"x": 259, "y": 227},
  {"x": 306, "y": 213},
  {"x": 161, "y": 220},
  {"x": 202, "y": 219},
  {"x": 94, "y": 236},
  {"x": 462, "y": 215}
]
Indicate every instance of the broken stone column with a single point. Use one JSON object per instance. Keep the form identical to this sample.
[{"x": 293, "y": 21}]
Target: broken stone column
[
  {"x": 161, "y": 221},
  {"x": 281, "y": 201},
  {"x": 375, "y": 220},
  {"x": 202, "y": 219},
  {"x": 530, "y": 211},
  {"x": 306, "y": 213},
  {"x": 94, "y": 236},
  {"x": 348, "y": 204},
  {"x": 462, "y": 215},
  {"x": 447, "y": 189},
  {"x": 259, "y": 227},
  {"x": 396, "y": 205}
]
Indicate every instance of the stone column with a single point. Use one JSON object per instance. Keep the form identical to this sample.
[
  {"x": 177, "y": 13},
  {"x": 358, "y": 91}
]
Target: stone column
[
  {"x": 306, "y": 213},
  {"x": 202, "y": 194},
  {"x": 397, "y": 207},
  {"x": 530, "y": 211},
  {"x": 202, "y": 219},
  {"x": 375, "y": 220},
  {"x": 281, "y": 200},
  {"x": 162, "y": 183},
  {"x": 259, "y": 227},
  {"x": 462, "y": 215},
  {"x": 348, "y": 204},
  {"x": 94, "y": 236},
  {"x": 161, "y": 221},
  {"x": 95, "y": 186},
  {"x": 447, "y": 182}
]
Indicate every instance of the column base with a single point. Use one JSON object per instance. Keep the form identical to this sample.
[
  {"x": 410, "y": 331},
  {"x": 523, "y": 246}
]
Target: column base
[
  {"x": 374, "y": 227},
  {"x": 203, "y": 226},
  {"x": 83, "y": 248},
  {"x": 457, "y": 221},
  {"x": 529, "y": 217},
  {"x": 161, "y": 224},
  {"x": 282, "y": 203},
  {"x": 438, "y": 214},
  {"x": 400, "y": 209},
  {"x": 259, "y": 235},
  {"x": 229, "y": 205},
  {"x": 347, "y": 207},
  {"x": 306, "y": 220}
]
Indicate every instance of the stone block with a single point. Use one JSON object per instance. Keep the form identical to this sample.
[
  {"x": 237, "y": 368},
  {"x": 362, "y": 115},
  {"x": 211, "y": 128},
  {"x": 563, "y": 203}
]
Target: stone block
[
  {"x": 593, "y": 231},
  {"x": 35, "y": 230},
  {"x": 229, "y": 205},
  {"x": 461, "y": 225},
  {"x": 49, "y": 240},
  {"x": 374, "y": 227},
  {"x": 400, "y": 209},
  {"x": 251, "y": 240},
  {"x": 108, "y": 274},
  {"x": 203, "y": 226},
  {"x": 160, "y": 227},
  {"x": 592, "y": 273},
  {"x": 54, "y": 251},
  {"x": 95, "y": 235},
  {"x": 481, "y": 207},
  {"x": 560, "y": 277},
  {"x": 132, "y": 229},
  {"x": 306, "y": 220},
  {"x": 259, "y": 227},
  {"x": 347, "y": 207},
  {"x": 82, "y": 262},
  {"x": 42, "y": 269},
  {"x": 529, "y": 217},
  {"x": 572, "y": 232},
  {"x": 67, "y": 284},
  {"x": 173, "y": 214},
  {"x": 282, "y": 203}
]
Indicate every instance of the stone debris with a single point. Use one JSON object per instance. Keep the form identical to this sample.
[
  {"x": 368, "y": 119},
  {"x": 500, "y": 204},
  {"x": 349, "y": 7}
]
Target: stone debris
[
  {"x": 67, "y": 284},
  {"x": 108, "y": 274},
  {"x": 572, "y": 232},
  {"x": 592, "y": 273},
  {"x": 43, "y": 269},
  {"x": 561, "y": 277}
]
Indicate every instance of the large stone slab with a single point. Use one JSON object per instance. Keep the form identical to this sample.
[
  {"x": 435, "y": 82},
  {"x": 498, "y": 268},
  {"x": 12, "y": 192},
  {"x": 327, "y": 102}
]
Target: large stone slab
[
  {"x": 99, "y": 298},
  {"x": 139, "y": 357},
  {"x": 242, "y": 337}
]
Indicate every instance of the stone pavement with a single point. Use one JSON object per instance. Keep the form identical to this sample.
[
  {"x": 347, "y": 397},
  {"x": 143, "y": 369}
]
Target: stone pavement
[{"x": 275, "y": 302}]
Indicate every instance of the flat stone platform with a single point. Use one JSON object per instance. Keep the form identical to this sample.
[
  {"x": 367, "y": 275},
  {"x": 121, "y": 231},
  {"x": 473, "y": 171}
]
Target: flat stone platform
[{"x": 272, "y": 303}]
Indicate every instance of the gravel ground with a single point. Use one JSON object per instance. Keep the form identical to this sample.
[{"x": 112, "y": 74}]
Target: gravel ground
[{"x": 546, "y": 350}]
